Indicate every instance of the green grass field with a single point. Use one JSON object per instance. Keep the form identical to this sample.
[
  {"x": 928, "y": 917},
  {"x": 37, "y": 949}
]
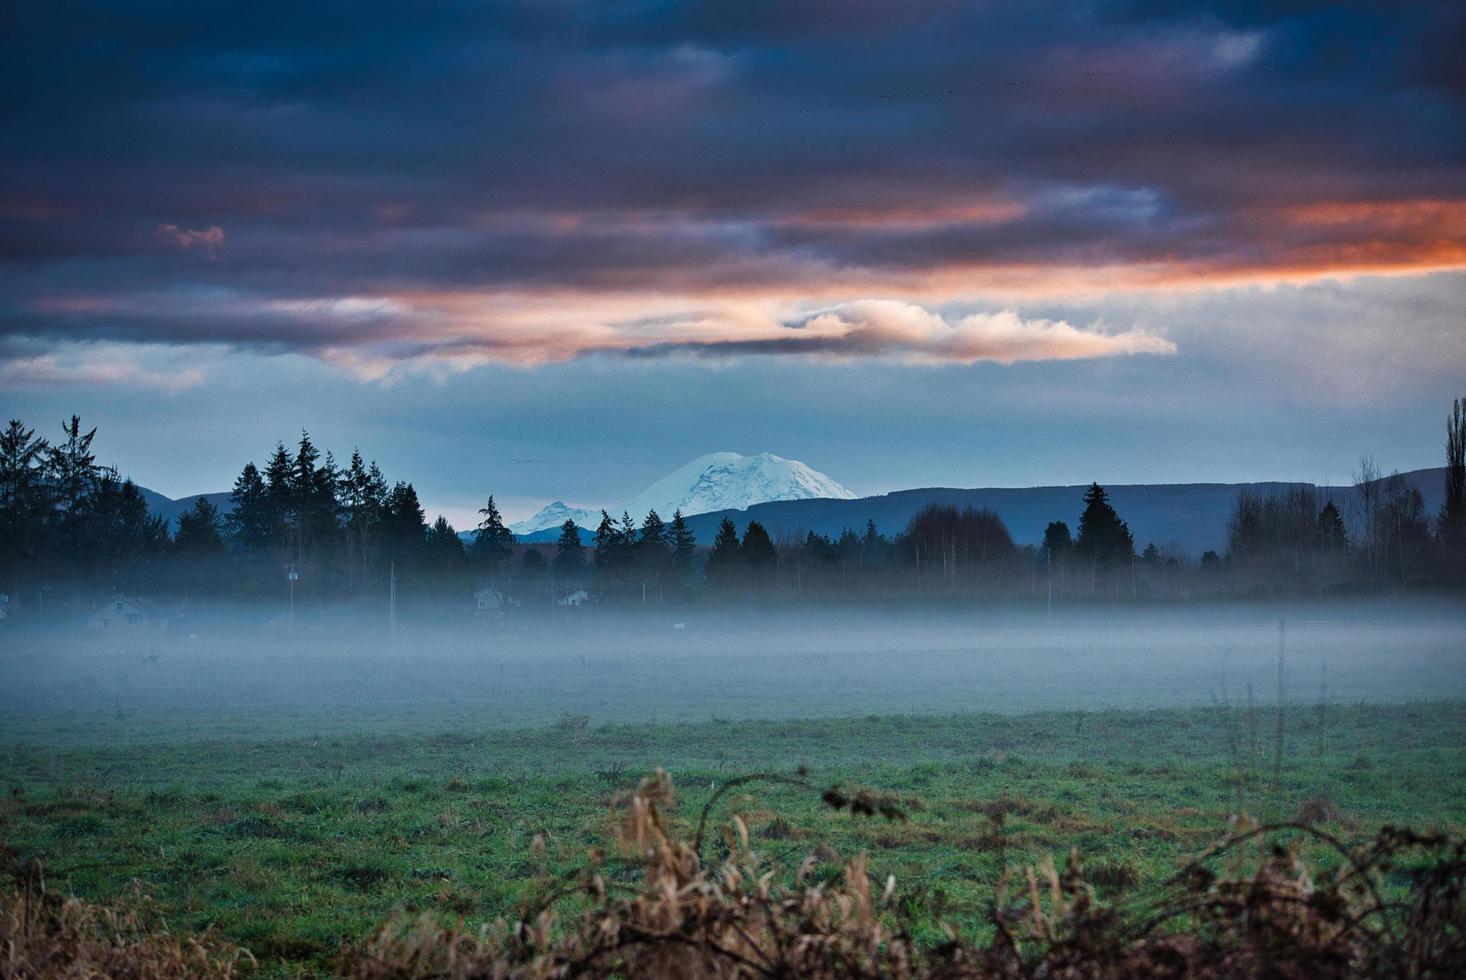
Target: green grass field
[{"x": 298, "y": 844}]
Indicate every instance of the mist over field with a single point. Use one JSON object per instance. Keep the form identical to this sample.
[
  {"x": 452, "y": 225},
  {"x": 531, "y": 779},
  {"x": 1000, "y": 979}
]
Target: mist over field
[{"x": 238, "y": 668}]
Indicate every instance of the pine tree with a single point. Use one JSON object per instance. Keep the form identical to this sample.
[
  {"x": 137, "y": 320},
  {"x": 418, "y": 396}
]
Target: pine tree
[
  {"x": 280, "y": 504},
  {"x": 569, "y": 563},
  {"x": 725, "y": 561},
  {"x": 606, "y": 535},
  {"x": 653, "y": 533},
  {"x": 684, "y": 546},
  {"x": 404, "y": 527},
  {"x": 71, "y": 471},
  {"x": 446, "y": 556},
  {"x": 612, "y": 550},
  {"x": 25, "y": 501},
  {"x": 1104, "y": 542},
  {"x": 313, "y": 491},
  {"x": 872, "y": 545},
  {"x": 760, "y": 558},
  {"x": 360, "y": 496},
  {"x": 119, "y": 535},
  {"x": 249, "y": 517},
  {"x": 494, "y": 542},
  {"x": 199, "y": 531},
  {"x": 651, "y": 556}
]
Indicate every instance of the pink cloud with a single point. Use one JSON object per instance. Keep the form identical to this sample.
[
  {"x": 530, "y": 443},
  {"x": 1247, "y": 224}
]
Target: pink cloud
[{"x": 210, "y": 240}]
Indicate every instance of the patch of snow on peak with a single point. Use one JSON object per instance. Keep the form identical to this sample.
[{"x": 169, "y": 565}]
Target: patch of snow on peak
[
  {"x": 730, "y": 481},
  {"x": 555, "y": 514}
]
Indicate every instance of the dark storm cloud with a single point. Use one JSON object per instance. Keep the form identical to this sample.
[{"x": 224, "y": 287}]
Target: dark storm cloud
[{"x": 318, "y": 177}]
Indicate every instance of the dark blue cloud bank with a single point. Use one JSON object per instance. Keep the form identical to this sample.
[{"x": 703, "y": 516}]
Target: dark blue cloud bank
[{"x": 407, "y": 197}]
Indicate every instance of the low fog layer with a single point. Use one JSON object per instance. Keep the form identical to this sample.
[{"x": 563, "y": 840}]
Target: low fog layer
[{"x": 720, "y": 664}]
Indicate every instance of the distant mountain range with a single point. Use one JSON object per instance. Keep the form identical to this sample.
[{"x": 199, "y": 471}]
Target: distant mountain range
[{"x": 1191, "y": 516}]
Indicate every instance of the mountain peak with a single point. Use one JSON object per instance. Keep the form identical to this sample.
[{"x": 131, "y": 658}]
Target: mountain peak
[
  {"x": 732, "y": 481},
  {"x": 555, "y": 514},
  {"x": 712, "y": 481}
]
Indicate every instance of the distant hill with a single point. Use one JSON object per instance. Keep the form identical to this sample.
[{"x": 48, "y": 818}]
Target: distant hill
[{"x": 167, "y": 507}]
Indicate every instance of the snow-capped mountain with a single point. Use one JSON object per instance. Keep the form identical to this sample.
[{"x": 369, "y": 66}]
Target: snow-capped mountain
[
  {"x": 724, "y": 481},
  {"x": 553, "y": 515}
]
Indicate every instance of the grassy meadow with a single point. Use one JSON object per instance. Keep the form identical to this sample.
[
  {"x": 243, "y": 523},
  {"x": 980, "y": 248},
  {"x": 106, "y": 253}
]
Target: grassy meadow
[{"x": 299, "y": 839}]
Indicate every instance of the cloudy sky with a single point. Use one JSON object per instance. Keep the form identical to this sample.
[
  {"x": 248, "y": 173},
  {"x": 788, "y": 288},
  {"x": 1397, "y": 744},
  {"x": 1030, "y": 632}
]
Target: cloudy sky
[{"x": 553, "y": 249}]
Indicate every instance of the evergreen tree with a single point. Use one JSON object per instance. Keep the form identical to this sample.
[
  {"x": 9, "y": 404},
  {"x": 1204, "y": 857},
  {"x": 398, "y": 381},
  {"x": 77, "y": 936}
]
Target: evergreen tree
[
  {"x": 613, "y": 549},
  {"x": 1151, "y": 555},
  {"x": 494, "y": 542},
  {"x": 872, "y": 545},
  {"x": 684, "y": 547},
  {"x": 760, "y": 559},
  {"x": 249, "y": 521},
  {"x": 404, "y": 527},
  {"x": 200, "y": 532},
  {"x": 119, "y": 535},
  {"x": 280, "y": 501},
  {"x": 25, "y": 501},
  {"x": 651, "y": 555},
  {"x": 447, "y": 558},
  {"x": 653, "y": 533},
  {"x": 607, "y": 538},
  {"x": 313, "y": 492},
  {"x": 569, "y": 563},
  {"x": 72, "y": 473},
  {"x": 1057, "y": 543},
  {"x": 725, "y": 561},
  {"x": 303, "y": 474},
  {"x": 361, "y": 495},
  {"x": 1104, "y": 542}
]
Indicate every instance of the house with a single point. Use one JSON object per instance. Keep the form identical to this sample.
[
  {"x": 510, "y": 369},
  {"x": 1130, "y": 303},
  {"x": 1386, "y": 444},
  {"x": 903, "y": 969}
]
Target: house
[
  {"x": 127, "y": 614},
  {"x": 577, "y": 598}
]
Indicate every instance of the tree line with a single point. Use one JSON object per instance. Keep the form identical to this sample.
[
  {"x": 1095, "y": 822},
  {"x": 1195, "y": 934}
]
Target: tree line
[{"x": 71, "y": 528}]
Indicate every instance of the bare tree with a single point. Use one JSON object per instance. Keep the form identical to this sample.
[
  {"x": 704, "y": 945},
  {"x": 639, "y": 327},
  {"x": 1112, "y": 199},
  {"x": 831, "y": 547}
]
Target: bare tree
[
  {"x": 1367, "y": 484},
  {"x": 1451, "y": 524}
]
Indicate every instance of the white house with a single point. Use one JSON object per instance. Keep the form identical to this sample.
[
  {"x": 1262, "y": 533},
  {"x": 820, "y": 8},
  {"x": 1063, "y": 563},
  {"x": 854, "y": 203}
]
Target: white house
[
  {"x": 576, "y": 598},
  {"x": 489, "y": 600},
  {"x": 125, "y": 614}
]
